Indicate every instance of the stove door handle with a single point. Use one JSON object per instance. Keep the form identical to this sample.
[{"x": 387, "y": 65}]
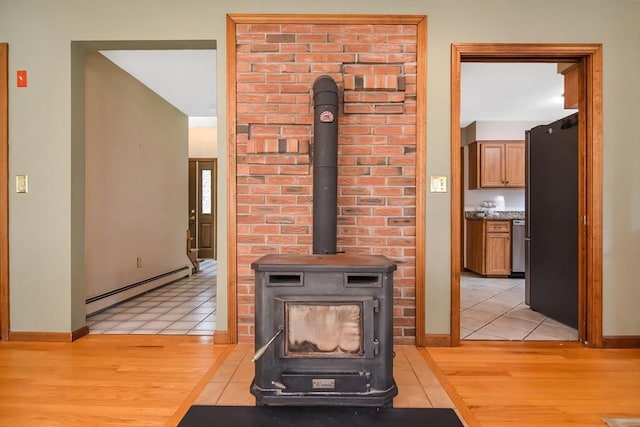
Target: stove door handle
[
  {"x": 279, "y": 385},
  {"x": 264, "y": 348}
]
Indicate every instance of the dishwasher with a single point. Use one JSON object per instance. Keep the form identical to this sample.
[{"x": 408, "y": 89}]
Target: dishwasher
[{"x": 517, "y": 247}]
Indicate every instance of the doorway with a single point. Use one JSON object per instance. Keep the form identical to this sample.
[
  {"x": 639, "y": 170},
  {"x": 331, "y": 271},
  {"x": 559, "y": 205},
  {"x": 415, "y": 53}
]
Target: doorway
[
  {"x": 155, "y": 181},
  {"x": 589, "y": 170},
  {"x": 500, "y": 102},
  {"x": 202, "y": 206}
]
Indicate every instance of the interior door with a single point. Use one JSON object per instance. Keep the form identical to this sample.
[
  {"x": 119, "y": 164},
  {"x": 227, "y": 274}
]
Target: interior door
[
  {"x": 193, "y": 192},
  {"x": 202, "y": 206}
]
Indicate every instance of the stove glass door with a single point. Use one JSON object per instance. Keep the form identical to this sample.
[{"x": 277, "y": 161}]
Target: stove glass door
[{"x": 327, "y": 327}]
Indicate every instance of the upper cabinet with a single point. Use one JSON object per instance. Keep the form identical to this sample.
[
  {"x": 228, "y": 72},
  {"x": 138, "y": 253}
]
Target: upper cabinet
[
  {"x": 496, "y": 164},
  {"x": 571, "y": 75}
]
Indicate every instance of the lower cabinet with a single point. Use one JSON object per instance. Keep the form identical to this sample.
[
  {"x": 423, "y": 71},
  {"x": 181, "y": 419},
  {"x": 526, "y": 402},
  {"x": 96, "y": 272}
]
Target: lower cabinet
[{"x": 488, "y": 247}]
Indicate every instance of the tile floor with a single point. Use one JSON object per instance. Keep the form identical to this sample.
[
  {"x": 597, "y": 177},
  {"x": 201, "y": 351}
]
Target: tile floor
[
  {"x": 494, "y": 309},
  {"x": 184, "y": 307},
  {"x": 418, "y": 386}
]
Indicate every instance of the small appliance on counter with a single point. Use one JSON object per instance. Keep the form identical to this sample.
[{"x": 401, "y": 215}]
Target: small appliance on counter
[
  {"x": 499, "y": 201},
  {"x": 487, "y": 209}
]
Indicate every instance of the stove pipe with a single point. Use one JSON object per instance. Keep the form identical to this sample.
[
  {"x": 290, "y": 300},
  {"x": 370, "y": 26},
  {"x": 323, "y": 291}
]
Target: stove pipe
[{"x": 325, "y": 165}]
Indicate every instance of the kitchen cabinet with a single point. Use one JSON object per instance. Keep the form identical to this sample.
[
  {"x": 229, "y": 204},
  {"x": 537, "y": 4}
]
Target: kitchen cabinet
[
  {"x": 571, "y": 86},
  {"x": 496, "y": 164},
  {"x": 488, "y": 247}
]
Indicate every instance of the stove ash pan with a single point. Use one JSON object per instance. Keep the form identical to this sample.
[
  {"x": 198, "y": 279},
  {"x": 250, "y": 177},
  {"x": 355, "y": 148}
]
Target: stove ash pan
[{"x": 324, "y": 330}]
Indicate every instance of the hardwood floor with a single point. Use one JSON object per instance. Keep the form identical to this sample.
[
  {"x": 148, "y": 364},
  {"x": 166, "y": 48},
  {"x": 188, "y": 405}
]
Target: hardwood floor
[
  {"x": 151, "y": 380},
  {"x": 539, "y": 384},
  {"x": 103, "y": 380}
]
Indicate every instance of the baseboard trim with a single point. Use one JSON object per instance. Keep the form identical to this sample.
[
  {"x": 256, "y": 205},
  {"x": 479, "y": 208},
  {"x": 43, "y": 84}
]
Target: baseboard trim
[
  {"x": 437, "y": 340},
  {"x": 49, "y": 336},
  {"x": 621, "y": 341},
  {"x": 104, "y": 301},
  {"x": 221, "y": 337},
  {"x": 79, "y": 333},
  {"x": 40, "y": 336}
]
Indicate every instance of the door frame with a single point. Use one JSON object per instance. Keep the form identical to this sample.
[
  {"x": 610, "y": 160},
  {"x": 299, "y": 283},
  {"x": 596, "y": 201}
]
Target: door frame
[
  {"x": 589, "y": 170},
  {"x": 4, "y": 191}
]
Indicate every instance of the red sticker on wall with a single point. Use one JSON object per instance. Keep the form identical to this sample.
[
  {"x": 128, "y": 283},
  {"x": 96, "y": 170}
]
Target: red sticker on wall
[{"x": 22, "y": 78}]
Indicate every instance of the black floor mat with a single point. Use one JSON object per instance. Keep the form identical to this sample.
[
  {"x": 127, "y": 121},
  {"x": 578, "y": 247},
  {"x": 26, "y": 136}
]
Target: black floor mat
[{"x": 289, "y": 416}]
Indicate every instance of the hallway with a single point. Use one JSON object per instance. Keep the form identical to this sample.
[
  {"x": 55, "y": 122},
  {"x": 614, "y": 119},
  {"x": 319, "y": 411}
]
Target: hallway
[{"x": 184, "y": 307}]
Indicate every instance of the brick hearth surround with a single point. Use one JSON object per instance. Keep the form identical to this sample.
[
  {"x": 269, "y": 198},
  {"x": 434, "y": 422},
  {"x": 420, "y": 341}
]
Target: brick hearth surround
[{"x": 375, "y": 69}]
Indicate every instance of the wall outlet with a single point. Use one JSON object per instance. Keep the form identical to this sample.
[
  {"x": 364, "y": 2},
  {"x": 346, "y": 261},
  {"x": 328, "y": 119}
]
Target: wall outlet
[{"x": 139, "y": 262}]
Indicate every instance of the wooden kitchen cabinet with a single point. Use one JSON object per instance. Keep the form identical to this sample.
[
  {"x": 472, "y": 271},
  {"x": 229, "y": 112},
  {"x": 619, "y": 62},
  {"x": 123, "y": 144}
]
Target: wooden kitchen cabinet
[
  {"x": 571, "y": 86},
  {"x": 496, "y": 164},
  {"x": 488, "y": 247}
]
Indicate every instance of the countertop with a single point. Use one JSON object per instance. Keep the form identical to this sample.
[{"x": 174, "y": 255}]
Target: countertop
[{"x": 496, "y": 215}]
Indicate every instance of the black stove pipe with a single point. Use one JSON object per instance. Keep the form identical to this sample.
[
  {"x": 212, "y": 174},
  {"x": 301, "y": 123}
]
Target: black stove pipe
[{"x": 325, "y": 165}]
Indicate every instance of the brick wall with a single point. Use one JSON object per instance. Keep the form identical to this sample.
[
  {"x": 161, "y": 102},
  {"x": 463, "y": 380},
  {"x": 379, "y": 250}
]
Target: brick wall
[{"x": 375, "y": 69}]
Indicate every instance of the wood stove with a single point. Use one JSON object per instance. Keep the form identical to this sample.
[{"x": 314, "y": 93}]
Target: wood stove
[{"x": 324, "y": 333}]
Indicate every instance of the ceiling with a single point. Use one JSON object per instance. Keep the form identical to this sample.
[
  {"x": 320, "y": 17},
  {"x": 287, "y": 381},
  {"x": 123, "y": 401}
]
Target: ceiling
[
  {"x": 511, "y": 92},
  {"x": 489, "y": 91},
  {"x": 185, "y": 78}
]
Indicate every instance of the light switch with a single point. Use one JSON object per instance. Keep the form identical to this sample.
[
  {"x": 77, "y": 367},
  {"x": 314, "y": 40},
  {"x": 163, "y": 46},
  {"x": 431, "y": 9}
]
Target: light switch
[
  {"x": 438, "y": 184},
  {"x": 22, "y": 184}
]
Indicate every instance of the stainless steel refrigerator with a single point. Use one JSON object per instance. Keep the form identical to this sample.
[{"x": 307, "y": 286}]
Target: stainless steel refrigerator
[{"x": 552, "y": 224}]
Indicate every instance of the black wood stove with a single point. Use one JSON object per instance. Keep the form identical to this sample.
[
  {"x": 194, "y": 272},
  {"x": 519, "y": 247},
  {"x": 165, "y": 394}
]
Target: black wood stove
[{"x": 324, "y": 333}]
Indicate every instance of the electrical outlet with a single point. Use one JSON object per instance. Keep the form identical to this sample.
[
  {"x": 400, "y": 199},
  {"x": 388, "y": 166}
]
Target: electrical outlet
[{"x": 139, "y": 262}]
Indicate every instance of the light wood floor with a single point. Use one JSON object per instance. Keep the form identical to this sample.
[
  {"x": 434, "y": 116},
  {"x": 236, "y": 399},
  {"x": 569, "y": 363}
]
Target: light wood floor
[
  {"x": 152, "y": 380},
  {"x": 539, "y": 384},
  {"x": 116, "y": 380}
]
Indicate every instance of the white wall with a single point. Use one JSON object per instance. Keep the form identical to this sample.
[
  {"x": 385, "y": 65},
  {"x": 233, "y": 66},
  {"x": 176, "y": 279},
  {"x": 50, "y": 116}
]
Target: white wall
[
  {"x": 203, "y": 137},
  {"x": 41, "y": 226},
  {"x": 203, "y": 142},
  {"x": 136, "y": 180}
]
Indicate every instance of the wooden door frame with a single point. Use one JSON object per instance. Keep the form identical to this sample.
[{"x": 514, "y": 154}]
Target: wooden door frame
[
  {"x": 4, "y": 191},
  {"x": 589, "y": 170},
  {"x": 420, "y": 21}
]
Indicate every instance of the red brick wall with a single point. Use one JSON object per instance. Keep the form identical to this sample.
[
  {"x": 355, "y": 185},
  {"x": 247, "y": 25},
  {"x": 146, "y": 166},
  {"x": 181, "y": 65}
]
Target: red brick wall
[{"x": 375, "y": 69}]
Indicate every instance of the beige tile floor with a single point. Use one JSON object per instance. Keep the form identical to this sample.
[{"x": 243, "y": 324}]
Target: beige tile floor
[
  {"x": 183, "y": 307},
  {"x": 418, "y": 386},
  {"x": 491, "y": 309},
  {"x": 494, "y": 309}
]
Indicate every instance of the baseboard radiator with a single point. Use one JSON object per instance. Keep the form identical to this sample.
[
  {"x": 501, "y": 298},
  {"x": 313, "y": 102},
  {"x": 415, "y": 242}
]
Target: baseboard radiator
[{"x": 103, "y": 301}]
